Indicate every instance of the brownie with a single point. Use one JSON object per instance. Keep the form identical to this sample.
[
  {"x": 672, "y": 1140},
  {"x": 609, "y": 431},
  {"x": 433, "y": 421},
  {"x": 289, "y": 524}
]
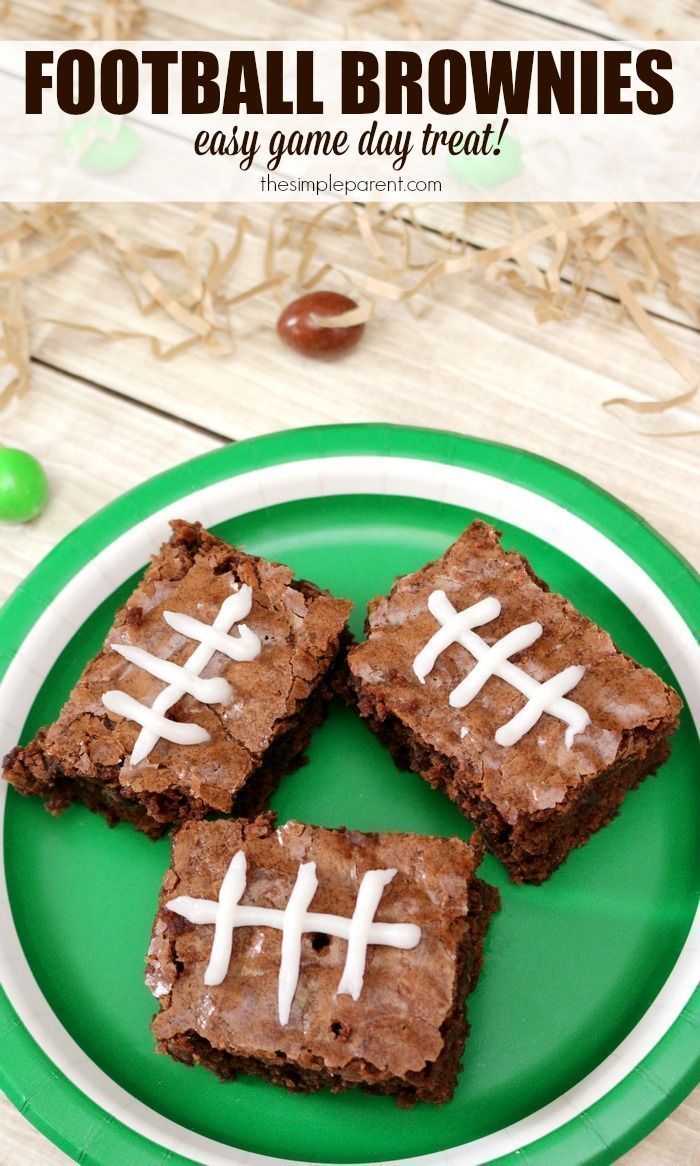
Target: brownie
[
  {"x": 536, "y": 797},
  {"x": 269, "y": 699},
  {"x": 403, "y": 1028}
]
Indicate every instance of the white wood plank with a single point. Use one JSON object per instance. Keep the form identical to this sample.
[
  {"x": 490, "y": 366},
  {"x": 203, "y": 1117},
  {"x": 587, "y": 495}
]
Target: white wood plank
[
  {"x": 21, "y": 1144},
  {"x": 285, "y": 20},
  {"x": 93, "y": 447},
  {"x": 68, "y": 426},
  {"x": 674, "y": 1143},
  {"x": 488, "y": 225},
  {"x": 83, "y": 420},
  {"x": 547, "y": 394},
  {"x": 72, "y": 446},
  {"x": 679, "y": 19},
  {"x": 477, "y": 362},
  {"x": 329, "y": 19}
]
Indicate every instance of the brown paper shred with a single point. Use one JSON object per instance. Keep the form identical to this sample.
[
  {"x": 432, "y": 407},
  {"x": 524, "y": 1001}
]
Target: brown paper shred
[
  {"x": 306, "y": 245},
  {"x": 221, "y": 265},
  {"x": 627, "y": 20},
  {"x": 584, "y": 238},
  {"x": 198, "y": 308},
  {"x": 159, "y": 349},
  {"x": 111, "y": 20},
  {"x": 15, "y": 336},
  {"x": 409, "y": 22},
  {"x": 552, "y": 252},
  {"x": 368, "y": 235},
  {"x": 23, "y": 269},
  {"x": 194, "y": 321},
  {"x": 359, "y": 315},
  {"x": 444, "y": 21},
  {"x": 668, "y": 350}
]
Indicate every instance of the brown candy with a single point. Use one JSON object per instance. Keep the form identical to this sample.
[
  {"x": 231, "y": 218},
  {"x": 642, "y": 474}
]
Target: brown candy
[{"x": 298, "y": 325}]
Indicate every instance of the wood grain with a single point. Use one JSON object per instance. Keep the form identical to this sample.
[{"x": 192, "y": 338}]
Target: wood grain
[
  {"x": 84, "y": 421},
  {"x": 104, "y": 416},
  {"x": 674, "y": 1143},
  {"x": 94, "y": 447},
  {"x": 487, "y": 225},
  {"x": 330, "y": 19},
  {"x": 477, "y": 362}
]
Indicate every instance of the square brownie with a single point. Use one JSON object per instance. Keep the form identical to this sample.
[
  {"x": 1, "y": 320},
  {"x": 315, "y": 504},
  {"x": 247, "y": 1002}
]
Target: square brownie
[
  {"x": 537, "y": 740},
  {"x": 329, "y": 1001},
  {"x": 212, "y": 678}
]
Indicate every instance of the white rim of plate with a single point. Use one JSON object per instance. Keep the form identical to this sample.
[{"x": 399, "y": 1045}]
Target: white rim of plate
[{"x": 294, "y": 481}]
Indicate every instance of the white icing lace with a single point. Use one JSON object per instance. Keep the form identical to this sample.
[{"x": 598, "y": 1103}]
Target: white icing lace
[
  {"x": 494, "y": 660},
  {"x": 360, "y": 931},
  {"x": 187, "y": 678}
]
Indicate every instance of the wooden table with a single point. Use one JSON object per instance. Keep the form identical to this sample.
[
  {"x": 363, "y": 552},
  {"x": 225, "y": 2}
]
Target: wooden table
[{"x": 102, "y": 416}]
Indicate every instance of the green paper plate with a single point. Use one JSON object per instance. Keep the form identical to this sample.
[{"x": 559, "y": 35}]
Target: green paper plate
[{"x": 584, "y": 1026}]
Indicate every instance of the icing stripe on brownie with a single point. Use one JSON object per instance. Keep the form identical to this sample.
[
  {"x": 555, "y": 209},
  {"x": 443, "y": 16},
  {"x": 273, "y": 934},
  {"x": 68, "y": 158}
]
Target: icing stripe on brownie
[
  {"x": 360, "y": 931},
  {"x": 494, "y": 660},
  {"x": 185, "y": 679}
]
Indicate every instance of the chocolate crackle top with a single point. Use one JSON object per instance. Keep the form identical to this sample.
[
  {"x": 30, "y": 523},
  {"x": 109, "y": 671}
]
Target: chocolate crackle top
[
  {"x": 206, "y": 675},
  {"x": 368, "y": 977},
  {"x": 487, "y": 666}
]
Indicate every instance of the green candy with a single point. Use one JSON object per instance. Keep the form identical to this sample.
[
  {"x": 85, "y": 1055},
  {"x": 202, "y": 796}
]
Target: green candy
[
  {"x": 103, "y": 144},
  {"x": 24, "y": 490},
  {"x": 488, "y": 169}
]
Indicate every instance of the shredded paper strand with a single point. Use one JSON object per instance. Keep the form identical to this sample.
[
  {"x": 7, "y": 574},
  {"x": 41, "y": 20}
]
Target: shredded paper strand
[
  {"x": 552, "y": 254},
  {"x": 555, "y": 254}
]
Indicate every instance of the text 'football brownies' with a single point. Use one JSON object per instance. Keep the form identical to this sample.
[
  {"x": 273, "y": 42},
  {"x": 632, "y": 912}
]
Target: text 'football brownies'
[
  {"x": 319, "y": 958},
  {"x": 211, "y": 680},
  {"x": 497, "y": 691}
]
